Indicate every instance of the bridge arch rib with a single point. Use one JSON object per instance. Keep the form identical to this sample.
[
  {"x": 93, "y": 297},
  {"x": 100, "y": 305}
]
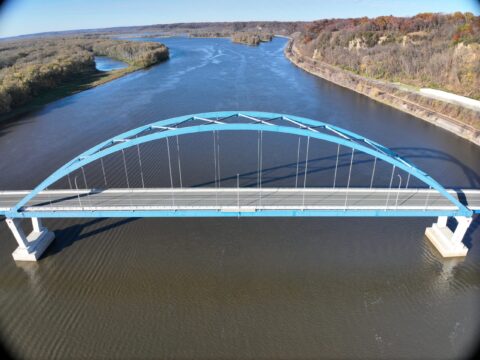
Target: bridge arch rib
[{"x": 257, "y": 121}]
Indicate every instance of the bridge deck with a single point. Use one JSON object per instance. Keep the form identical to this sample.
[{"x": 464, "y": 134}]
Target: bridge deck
[{"x": 239, "y": 200}]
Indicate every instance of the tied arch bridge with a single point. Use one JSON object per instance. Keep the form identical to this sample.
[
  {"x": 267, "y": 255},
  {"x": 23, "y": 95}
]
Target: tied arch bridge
[{"x": 397, "y": 197}]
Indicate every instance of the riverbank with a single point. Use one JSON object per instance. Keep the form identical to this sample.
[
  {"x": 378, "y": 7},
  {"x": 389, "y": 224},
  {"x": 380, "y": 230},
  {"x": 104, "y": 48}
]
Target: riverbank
[
  {"x": 35, "y": 72},
  {"x": 75, "y": 85},
  {"x": 465, "y": 124}
]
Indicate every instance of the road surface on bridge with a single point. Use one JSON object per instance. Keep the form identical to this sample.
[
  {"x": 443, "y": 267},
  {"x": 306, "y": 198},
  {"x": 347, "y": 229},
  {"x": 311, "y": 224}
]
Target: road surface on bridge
[{"x": 238, "y": 199}]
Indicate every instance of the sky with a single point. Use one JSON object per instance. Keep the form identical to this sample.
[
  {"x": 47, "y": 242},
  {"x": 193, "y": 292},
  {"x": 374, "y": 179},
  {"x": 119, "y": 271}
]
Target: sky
[{"x": 19, "y": 17}]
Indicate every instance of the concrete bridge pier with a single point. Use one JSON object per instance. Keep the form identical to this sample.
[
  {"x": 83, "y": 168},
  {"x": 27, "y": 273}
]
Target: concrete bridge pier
[
  {"x": 447, "y": 242},
  {"x": 32, "y": 246}
]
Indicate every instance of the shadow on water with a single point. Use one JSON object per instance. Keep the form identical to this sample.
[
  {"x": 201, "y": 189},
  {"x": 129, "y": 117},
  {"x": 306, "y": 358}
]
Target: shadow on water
[
  {"x": 68, "y": 236},
  {"x": 8, "y": 125},
  {"x": 59, "y": 103},
  {"x": 60, "y": 97},
  {"x": 27, "y": 114},
  {"x": 314, "y": 167},
  {"x": 425, "y": 153}
]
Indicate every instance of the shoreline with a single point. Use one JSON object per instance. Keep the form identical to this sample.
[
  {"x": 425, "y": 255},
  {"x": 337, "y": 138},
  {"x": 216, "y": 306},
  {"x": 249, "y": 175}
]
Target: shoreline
[
  {"x": 383, "y": 92},
  {"x": 77, "y": 84}
]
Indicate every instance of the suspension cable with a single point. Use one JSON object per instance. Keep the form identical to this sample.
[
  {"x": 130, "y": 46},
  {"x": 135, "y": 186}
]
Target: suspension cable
[
  {"x": 218, "y": 160},
  {"x": 305, "y": 172},
  {"x": 179, "y": 164},
  {"x": 390, "y": 187},
  {"x": 69, "y": 181},
  {"x": 373, "y": 172},
  {"x": 398, "y": 191},
  {"x": 126, "y": 176},
  {"x": 258, "y": 159},
  {"x": 140, "y": 163},
  {"x": 86, "y": 186},
  {"x": 103, "y": 171},
  {"x": 349, "y": 177},
  {"x": 78, "y": 192},
  {"x": 261, "y": 165},
  {"x": 336, "y": 167},
  {"x": 215, "y": 166},
  {"x": 298, "y": 162},
  {"x": 170, "y": 171}
]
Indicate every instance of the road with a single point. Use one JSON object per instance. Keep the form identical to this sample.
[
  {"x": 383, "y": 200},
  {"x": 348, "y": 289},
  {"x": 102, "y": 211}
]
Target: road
[{"x": 245, "y": 199}]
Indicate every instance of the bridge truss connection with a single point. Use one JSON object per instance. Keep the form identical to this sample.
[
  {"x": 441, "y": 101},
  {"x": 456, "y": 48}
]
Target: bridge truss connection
[{"x": 396, "y": 198}]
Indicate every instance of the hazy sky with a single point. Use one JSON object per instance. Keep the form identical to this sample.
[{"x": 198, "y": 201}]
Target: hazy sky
[{"x": 32, "y": 16}]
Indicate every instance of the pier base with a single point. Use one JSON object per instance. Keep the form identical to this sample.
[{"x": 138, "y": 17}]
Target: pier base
[
  {"x": 30, "y": 247},
  {"x": 449, "y": 243}
]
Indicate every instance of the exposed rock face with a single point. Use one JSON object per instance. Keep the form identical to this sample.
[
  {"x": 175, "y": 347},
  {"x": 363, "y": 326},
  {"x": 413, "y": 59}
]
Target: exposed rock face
[
  {"x": 246, "y": 38},
  {"x": 356, "y": 44}
]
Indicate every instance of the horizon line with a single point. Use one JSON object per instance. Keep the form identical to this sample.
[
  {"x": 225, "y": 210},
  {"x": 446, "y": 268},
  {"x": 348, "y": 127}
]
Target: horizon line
[{"x": 210, "y": 22}]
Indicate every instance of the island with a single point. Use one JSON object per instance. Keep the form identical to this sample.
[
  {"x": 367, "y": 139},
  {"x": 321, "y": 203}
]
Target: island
[{"x": 251, "y": 38}]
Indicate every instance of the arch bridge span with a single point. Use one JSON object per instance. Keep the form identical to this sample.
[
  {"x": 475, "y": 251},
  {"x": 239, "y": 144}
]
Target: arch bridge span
[{"x": 399, "y": 201}]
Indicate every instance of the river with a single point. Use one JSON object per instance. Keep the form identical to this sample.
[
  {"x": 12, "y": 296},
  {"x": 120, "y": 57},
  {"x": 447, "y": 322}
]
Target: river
[
  {"x": 104, "y": 63},
  {"x": 233, "y": 288}
]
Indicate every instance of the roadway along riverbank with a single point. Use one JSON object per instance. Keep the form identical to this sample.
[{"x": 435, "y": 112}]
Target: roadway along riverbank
[{"x": 405, "y": 100}]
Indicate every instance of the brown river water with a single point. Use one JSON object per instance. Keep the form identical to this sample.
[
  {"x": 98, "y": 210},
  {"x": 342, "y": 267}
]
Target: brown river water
[{"x": 234, "y": 288}]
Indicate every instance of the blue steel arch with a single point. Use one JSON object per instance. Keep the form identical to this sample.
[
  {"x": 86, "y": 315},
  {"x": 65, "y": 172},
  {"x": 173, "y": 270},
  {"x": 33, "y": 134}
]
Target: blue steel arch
[{"x": 262, "y": 121}]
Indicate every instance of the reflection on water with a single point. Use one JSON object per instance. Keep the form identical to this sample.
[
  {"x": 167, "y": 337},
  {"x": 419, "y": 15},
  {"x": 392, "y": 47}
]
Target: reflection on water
[{"x": 233, "y": 288}]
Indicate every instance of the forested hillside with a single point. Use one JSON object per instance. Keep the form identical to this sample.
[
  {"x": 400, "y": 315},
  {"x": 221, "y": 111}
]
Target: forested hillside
[
  {"x": 427, "y": 50},
  {"x": 29, "y": 67},
  {"x": 196, "y": 29}
]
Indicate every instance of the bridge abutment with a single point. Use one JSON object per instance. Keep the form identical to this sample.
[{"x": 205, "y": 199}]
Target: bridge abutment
[
  {"x": 447, "y": 242},
  {"x": 33, "y": 245}
]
